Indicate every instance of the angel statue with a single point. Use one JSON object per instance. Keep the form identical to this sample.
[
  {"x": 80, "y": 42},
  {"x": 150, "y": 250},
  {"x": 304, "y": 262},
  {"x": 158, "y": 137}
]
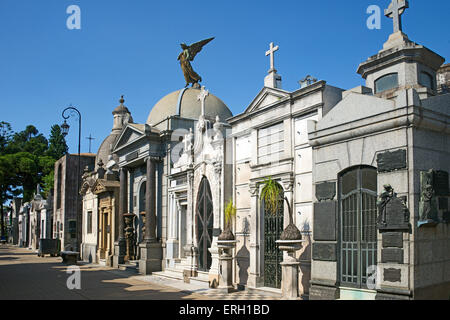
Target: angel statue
[{"x": 188, "y": 54}]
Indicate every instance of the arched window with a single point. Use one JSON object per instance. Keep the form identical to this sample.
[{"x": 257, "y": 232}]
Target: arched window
[
  {"x": 358, "y": 232},
  {"x": 386, "y": 82},
  {"x": 426, "y": 80}
]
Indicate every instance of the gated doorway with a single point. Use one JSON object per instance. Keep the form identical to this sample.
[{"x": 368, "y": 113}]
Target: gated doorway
[
  {"x": 273, "y": 256},
  {"x": 204, "y": 224},
  {"x": 358, "y": 232}
]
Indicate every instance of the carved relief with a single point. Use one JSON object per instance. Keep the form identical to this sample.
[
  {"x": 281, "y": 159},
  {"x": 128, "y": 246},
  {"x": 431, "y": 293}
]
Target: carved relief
[
  {"x": 428, "y": 212},
  {"x": 392, "y": 211}
]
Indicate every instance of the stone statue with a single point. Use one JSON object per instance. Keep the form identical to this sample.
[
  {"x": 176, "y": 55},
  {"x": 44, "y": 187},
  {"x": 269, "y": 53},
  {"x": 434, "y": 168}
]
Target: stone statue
[
  {"x": 188, "y": 54},
  {"x": 428, "y": 212},
  {"x": 129, "y": 236},
  {"x": 382, "y": 202},
  {"x": 427, "y": 196}
]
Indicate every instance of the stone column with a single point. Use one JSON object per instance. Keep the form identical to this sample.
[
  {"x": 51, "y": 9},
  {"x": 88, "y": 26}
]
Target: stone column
[
  {"x": 150, "y": 202},
  {"x": 191, "y": 252},
  {"x": 254, "y": 269},
  {"x": 172, "y": 241},
  {"x": 288, "y": 193},
  {"x": 120, "y": 245},
  {"x": 151, "y": 250}
]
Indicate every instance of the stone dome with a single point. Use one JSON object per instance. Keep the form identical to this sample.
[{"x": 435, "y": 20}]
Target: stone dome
[
  {"x": 184, "y": 103},
  {"x": 105, "y": 149}
]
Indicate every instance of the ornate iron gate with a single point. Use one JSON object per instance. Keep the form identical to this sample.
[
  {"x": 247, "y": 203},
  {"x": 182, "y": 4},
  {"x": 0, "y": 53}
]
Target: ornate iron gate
[
  {"x": 204, "y": 222},
  {"x": 358, "y": 231},
  {"x": 273, "y": 226}
]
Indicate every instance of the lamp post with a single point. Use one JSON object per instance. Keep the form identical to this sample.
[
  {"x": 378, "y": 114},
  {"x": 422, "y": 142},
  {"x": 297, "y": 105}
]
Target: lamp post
[{"x": 65, "y": 130}]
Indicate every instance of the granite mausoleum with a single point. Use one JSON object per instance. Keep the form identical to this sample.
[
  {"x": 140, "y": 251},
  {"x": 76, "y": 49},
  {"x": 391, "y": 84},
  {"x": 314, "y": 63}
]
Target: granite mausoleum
[{"x": 365, "y": 173}]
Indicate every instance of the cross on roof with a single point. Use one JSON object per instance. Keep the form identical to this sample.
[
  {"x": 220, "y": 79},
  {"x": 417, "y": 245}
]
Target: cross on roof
[
  {"x": 90, "y": 141},
  {"x": 395, "y": 11},
  {"x": 271, "y": 52},
  {"x": 201, "y": 97}
]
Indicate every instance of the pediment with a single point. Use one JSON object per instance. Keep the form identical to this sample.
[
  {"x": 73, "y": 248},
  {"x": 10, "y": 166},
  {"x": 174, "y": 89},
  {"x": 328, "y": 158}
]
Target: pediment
[
  {"x": 129, "y": 134},
  {"x": 102, "y": 186},
  {"x": 267, "y": 97}
]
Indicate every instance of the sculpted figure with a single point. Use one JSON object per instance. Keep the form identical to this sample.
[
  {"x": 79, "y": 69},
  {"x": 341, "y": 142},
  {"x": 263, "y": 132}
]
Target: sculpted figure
[
  {"x": 188, "y": 55},
  {"x": 383, "y": 200}
]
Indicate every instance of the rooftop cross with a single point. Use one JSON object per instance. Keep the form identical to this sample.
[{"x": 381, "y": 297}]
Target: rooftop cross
[
  {"x": 201, "y": 97},
  {"x": 395, "y": 11},
  {"x": 271, "y": 52},
  {"x": 90, "y": 140}
]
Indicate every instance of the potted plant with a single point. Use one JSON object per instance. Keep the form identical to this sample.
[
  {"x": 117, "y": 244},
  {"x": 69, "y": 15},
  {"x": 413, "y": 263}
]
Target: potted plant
[
  {"x": 270, "y": 195},
  {"x": 230, "y": 212}
]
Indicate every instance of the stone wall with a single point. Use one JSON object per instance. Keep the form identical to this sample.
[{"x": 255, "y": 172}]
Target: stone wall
[{"x": 431, "y": 245}]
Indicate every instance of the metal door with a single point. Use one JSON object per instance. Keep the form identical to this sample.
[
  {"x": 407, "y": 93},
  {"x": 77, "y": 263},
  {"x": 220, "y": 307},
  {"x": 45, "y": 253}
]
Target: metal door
[
  {"x": 204, "y": 223},
  {"x": 358, "y": 233},
  {"x": 273, "y": 256}
]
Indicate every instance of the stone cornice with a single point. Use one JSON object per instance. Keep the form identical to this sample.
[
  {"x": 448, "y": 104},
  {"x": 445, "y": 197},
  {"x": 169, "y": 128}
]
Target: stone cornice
[
  {"x": 407, "y": 116},
  {"x": 394, "y": 56}
]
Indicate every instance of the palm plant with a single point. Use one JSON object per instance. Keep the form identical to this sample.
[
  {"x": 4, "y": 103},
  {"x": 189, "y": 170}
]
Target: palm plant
[
  {"x": 270, "y": 195},
  {"x": 230, "y": 212}
]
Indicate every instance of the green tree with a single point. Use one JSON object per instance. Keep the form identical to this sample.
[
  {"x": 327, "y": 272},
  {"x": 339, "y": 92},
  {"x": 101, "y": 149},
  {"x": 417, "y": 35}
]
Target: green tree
[
  {"x": 8, "y": 184},
  {"x": 57, "y": 143},
  {"x": 5, "y": 136},
  {"x": 28, "y": 149}
]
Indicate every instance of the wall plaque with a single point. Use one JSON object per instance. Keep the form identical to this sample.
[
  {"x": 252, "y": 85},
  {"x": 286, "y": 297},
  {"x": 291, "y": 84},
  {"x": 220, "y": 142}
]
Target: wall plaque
[
  {"x": 324, "y": 251},
  {"x": 324, "y": 221},
  {"x": 441, "y": 184},
  {"x": 392, "y": 239},
  {"x": 390, "y": 161},
  {"x": 132, "y": 155},
  {"x": 325, "y": 191},
  {"x": 394, "y": 255},
  {"x": 443, "y": 203},
  {"x": 392, "y": 275},
  {"x": 446, "y": 216}
]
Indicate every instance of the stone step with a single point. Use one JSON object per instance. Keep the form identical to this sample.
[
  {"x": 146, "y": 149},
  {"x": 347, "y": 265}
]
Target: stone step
[
  {"x": 169, "y": 274},
  {"x": 179, "y": 266},
  {"x": 133, "y": 267},
  {"x": 201, "y": 280}
]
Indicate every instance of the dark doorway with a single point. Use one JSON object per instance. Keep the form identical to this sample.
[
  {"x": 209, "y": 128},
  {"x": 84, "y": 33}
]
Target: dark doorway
[
  {"x": 204, "y": 222},
  {"x": 273, "y": 256},
  {"x": 358, "y": 232}
]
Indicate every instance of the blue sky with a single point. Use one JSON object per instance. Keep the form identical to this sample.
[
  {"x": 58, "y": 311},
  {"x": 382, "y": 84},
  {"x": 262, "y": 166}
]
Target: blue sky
[{"x": 131, "y": 48}]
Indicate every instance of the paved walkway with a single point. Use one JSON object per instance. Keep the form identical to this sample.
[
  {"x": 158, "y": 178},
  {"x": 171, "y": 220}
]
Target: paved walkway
[{"x": 24, "y": 275}]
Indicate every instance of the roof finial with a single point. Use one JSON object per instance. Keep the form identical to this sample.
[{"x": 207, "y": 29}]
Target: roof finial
[{"x": 122, "y": 100}]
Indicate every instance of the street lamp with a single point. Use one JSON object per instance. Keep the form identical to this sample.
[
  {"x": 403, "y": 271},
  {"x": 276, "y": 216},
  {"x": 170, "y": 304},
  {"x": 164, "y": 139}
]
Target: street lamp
[{"x": 65, "y": 130}]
